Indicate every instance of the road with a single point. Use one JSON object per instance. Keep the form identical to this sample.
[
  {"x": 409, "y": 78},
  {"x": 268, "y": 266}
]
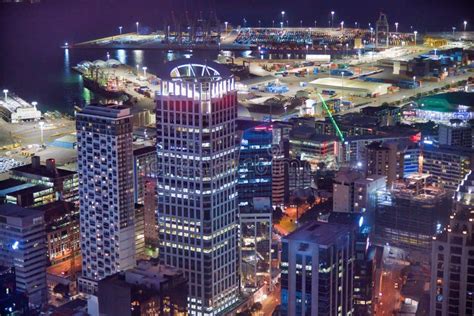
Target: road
[
  {"x": 389, "y": 282},
  {"x": 271, "y": 302}
]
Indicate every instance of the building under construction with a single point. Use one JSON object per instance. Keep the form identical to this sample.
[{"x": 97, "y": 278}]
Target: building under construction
[{"x": 409, "y": 214}]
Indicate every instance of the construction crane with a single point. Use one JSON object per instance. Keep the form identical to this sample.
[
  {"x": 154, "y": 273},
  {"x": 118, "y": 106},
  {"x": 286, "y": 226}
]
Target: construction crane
[{"x": 331, "y": 118}]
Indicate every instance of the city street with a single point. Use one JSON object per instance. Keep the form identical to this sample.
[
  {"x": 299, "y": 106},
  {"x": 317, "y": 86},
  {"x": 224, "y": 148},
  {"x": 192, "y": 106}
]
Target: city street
[
  {"x": 388, "y": 282},
  {"x": 271, "y": 302}
]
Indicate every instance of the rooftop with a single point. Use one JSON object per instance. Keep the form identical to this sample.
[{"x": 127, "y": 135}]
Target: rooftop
[
  {"x": 10, "y": 183},
  {"x": 447, "y": 102},
  {"x": 31, "y": 189},
  {"x": 348, "y": 84},
  {"x": 43, "y": 171},
  {"x": 308, "y": 133},
  {"x": 144, "y": 150},
  {"x": 319, "y": 233},
  {"x": 112, "y": 111},
  {"x": 193, "y": 67},
  {"x": 13, "y": 210}
]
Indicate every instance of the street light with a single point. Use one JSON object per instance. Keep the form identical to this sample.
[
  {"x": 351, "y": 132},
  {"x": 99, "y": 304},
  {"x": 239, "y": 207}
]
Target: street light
[
  {"x": 332, "y": 18},
  {"x": 301, "y": 23},
  {"x": 416, "y": 32},
  {"x": 342, "y": 25},
  {"x": 259, "y": 23},
  {"x": 465, "y": 25},
  {"x": 281, "y": 24},
  {"x": 137, "y": 26},
  {"x": 41, "y": 125},
  {"x": 454, "y": 29},
  {"x": 137, "y": 68},
  {"x": 5, "y": 91},
  {"x": 325, "y": 47},
  {"x": 34, "y": 104},
  {"x": 315, "y": 22},
  {"x": 144, "y": 71},
  {"x": 396, "y": 27},
  {"x": 355, "y": 23},
  {"x": 120, "y": 30},
  {"x": 283, "y": 16},
  {"x": 226, "y": 23},
  {"x": 108, "y": 55}
]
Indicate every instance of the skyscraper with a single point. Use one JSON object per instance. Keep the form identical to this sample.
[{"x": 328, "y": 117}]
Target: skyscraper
[
  {"x": 105, "y": 164},
  {"x": 255, "y": 206},
  {"x": 452, "y": 258},
  {"x": 197, "y": 199},
  {"x": 317, "y": 270}
]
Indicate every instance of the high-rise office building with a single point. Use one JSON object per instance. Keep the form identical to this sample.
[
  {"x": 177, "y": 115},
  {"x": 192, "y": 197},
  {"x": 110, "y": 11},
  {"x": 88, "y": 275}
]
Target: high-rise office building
[
  {"x": 197, "y": 167},
  {"x": 255, "y": 206},
  {"x": 364, "y": 263},
  {"x": 23, "y": 246},
  {"x": 105, "y": 164},
  {"x": 149, "y": 215},
  {"x": 317, "y": 270},
  {"x": 280, "y": 157},
  {"x": 144, "y": 168},
  {"x": 255, "y": 166},
  {"x": 452, "y": 258}
]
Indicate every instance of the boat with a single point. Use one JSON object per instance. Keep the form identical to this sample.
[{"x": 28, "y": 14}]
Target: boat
[{"x": 96, "y": 87}]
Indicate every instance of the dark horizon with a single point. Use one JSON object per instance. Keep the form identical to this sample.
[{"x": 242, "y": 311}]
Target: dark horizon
[{"x": 423, "y": 15}]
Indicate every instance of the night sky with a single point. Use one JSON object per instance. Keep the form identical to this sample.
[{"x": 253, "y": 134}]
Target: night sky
[{"x": 101, "y": 15}]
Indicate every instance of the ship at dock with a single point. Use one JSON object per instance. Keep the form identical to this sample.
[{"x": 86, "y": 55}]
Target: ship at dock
[{"x": 96, "y": 79}]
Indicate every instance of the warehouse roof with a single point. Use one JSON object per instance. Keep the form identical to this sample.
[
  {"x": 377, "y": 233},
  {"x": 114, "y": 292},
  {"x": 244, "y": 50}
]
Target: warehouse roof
[{"x": 349, "y": 84}]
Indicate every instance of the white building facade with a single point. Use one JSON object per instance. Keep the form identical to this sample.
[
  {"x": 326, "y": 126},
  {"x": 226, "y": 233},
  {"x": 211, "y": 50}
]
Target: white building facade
[{"x": 105, "y": 167}]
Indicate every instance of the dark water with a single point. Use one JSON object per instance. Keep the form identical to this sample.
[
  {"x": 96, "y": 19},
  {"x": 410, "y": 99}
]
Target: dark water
[{"x": 33, "y": 65}]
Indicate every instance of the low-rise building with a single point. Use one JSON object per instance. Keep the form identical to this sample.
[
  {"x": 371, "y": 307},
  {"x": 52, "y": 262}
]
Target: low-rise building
[
  {"x": 11, "y": 301},
  {"x": 23, "y": 246},
  {"x": 62, "y": 230},
  {"x": 148, "y": 289},
  {"x": 456, "y": 133},
  {"x": 307, "y": 144},
  {"x": 355, "y": 193},
  {"x": 349, "y": 87},
  {"x": 392, "y": 159},
  {"x": 64, "y": 182},
  {"x": 447, "y": 165},
  {"x": 384, "y": 115}
]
